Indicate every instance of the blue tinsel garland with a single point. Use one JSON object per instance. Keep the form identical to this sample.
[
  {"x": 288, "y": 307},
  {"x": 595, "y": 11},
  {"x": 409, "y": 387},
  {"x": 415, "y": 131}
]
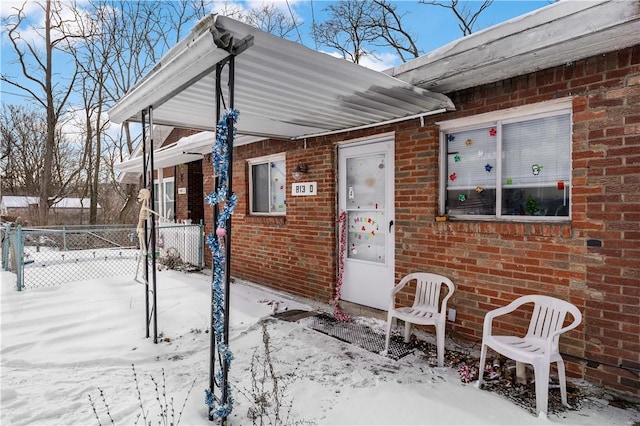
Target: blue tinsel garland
[{"x": 227, "y": 201}]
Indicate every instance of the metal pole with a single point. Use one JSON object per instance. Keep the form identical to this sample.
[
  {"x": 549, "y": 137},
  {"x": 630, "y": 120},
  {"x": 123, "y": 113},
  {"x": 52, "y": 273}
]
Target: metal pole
[
  {"x": 18, "y": 253},
  {"x": 153, "y": 232},
  {"x": 146, "y": 237},
  {"x": 201, "y": 245},
  {"x": 227, "y": 275},
  {"x": 5, "y": 247},
  {"x": 212, "y": 344}
]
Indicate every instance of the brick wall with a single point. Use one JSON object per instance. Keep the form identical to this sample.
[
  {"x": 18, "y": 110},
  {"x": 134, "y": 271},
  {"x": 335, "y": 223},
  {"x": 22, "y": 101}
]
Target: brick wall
[
  {"x": 182, "y": 200},
  {"x": 281, "y": 251},
  {"x": 592, "y": 261},
  {"x": 195, "y": 210},
  {"x": 190, "y": 205}
]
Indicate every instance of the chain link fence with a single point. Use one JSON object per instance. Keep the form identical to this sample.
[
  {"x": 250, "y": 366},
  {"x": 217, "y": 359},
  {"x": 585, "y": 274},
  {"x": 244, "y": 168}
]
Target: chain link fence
[{"x": 42, "y": 257}]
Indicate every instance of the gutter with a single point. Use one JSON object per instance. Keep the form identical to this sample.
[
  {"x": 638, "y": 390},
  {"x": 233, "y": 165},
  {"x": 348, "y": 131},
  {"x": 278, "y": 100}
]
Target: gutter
[
  {"x": 184, "y": 63},
  {"x": 421, "y": 116}
]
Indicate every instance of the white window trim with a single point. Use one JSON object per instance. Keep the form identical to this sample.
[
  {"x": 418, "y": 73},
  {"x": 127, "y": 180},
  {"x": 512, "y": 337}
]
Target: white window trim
[
  {"x": 538, "y": 110},
  {"x": 506, "y": 114},
  {"x": 162, "y": 184},
  {"x": 261, "y": 160},
  {"x": 380, "y": 137}
]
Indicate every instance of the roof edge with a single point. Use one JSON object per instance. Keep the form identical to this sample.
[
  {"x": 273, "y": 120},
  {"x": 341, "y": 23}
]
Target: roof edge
[
  {"x": 513, "y": 26},
  {"x": 553, "y": 35}
]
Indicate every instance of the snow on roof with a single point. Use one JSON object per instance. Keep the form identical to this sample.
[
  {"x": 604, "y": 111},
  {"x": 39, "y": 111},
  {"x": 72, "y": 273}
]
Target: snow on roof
[
  {"x": 20, "y": 201},
  {"x": 13, "y": 201},
  {"x": 557, "y": 34},
  {"x": 73, "y": 203}
]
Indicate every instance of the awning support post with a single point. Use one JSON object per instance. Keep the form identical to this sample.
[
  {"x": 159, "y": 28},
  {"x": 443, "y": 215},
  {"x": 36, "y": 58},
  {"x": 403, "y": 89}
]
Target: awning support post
[
  {"x": 219, "y": 399},
  {"x": 216, "y": 212},
  {"x": 227, "y": 284},
  {"x": 149, "y": 251}
]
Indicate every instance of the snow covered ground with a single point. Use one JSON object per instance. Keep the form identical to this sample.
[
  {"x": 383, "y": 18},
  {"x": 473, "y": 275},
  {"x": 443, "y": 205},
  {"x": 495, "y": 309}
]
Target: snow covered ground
[{"x": 63, "y": 344}]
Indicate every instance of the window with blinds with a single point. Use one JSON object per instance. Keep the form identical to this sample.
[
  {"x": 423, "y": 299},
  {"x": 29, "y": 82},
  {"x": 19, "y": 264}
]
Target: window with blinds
[{"x": 515, "y": 167}]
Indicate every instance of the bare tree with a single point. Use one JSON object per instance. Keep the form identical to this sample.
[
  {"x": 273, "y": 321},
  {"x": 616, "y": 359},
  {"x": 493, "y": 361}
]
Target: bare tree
[
  {"x": 393, "y": 33},
  {"x": 126, "y": 47},
  {"x": 94, "y": 126},
  {"x": 42, "y": 81},
  {"x": 89, "y": 114},
  {"x": 349, "y": 29},
  {"x": 130, "y": 39},
  {"x": 23, "y": 133},
  {"x": 24, "y": 136},
  {"x": 106, "y": 46},
  {"x": 230, "y": 9},
  {"x": 270, "y": 19},
  {"x": 356, "y": 28},
  {"x": 463, "y": 12}
]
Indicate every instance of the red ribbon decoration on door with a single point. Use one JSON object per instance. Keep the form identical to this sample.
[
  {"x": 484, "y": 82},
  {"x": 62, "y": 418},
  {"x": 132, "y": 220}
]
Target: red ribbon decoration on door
[{"x": 337, "y": 312}]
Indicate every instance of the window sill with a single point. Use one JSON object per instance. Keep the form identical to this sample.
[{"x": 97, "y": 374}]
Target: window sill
[
  {"x": 266, "y": 220},
  {"x": 522, "y": 219},
  {"x": 502, "y": 227}
]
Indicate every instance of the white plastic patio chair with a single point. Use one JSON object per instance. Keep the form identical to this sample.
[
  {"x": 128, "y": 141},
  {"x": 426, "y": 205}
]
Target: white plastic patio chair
[
  {"x": 538, "y": 347},
  {"x": 426, "y": 310}
]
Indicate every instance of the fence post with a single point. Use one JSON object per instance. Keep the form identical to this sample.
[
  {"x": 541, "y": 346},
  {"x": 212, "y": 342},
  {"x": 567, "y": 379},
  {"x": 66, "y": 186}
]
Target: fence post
[
  {"x": 18, "y": 257},
  {"x": 201, "y": 245},
  {"x": 5, "y": 247},
  {"x": 64, "y": 237}
]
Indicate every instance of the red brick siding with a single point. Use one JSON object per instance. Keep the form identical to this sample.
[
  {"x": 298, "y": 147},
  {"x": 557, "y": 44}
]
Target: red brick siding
[
  {"x": 182, "y": 200},
  {"x": 190, "y": 205},
  {"x": 490, "y": 262},
  {"x": 494, "y": 263},
  {"x": 276, "y": 251}
]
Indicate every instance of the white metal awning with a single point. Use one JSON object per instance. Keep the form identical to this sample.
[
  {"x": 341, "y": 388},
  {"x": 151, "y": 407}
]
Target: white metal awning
[
  {"x": 282, "y": 88},
  {"x": 185, "y": 150}
]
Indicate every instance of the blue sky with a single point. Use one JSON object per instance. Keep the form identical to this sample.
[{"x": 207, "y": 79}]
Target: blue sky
[{"x": 432, "y": 26}]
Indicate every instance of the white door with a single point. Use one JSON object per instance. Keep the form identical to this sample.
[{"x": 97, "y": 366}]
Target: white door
[{"x": 365, "y": 192}]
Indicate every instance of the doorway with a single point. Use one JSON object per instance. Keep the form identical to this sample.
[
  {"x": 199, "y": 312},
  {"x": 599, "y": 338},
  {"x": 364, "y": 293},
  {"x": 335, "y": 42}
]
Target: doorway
[{"x": 365, "y": 193}]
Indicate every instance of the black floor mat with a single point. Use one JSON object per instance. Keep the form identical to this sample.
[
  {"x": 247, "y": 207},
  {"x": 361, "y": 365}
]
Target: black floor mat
[
  {"x": 293, "y": 315},
  {"x": 360, "y": 335}
]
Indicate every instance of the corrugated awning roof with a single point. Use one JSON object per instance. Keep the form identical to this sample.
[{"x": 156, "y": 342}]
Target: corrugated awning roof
[
  {"x": 282, "y": 88},
  {"x": 185, "y": 150}
]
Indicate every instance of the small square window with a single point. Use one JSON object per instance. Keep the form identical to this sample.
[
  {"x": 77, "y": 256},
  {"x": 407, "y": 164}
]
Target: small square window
[
  {"x": 267, "y": 186},
  {"x": 508, "y": 169}
]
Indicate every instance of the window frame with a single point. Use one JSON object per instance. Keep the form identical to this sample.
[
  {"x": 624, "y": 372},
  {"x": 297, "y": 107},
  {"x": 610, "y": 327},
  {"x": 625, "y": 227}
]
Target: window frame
[
  {"x": 162, "y": 197},
  {"x": 267, "y": 159},
  {"x": 498, "y": 119}
]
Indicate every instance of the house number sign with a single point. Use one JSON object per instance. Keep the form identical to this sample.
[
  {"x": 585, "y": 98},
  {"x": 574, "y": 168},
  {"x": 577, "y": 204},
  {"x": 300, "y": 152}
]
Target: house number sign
[{"x": 304, "y": 188}]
